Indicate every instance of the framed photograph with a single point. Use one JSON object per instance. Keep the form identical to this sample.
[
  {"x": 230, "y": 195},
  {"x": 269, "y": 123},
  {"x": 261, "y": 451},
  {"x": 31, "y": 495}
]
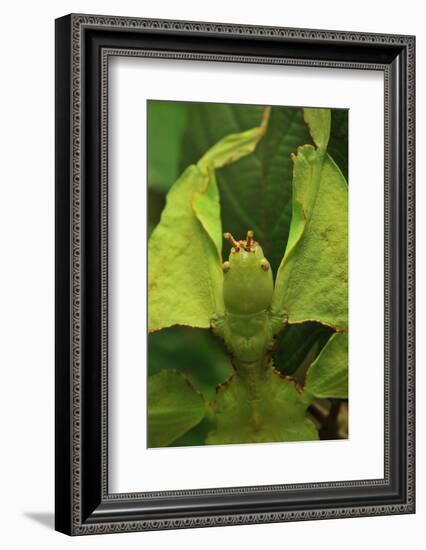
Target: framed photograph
[{"x": 234, "y": 274}]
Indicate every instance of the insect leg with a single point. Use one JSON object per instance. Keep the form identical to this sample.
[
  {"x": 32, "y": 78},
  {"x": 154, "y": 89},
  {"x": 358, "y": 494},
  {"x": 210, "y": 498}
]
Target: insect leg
[{"x": 217, "y": 323}]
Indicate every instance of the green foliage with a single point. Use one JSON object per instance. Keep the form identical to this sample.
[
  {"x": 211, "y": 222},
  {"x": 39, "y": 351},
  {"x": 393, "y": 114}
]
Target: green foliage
[
  {"x": 328, "y": 374},
  {"x": 166, "y": 125},
  {"x": 279, "y": 180},
  {"x": 255, "y": 192},
  {"x": 174, "y": 407},
  {"x": 185, "y": 348},
  {"x": 298, "y": 343},
  {"x": 156, "y": 204},
  {"x": 319, "y": 124},
  {"x": 338, "y": 144}
]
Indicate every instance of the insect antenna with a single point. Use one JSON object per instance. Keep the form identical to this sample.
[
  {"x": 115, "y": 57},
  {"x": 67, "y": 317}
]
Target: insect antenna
[
  {"x": 249, "y": 239},
  {"x": 231, "y": 239}
]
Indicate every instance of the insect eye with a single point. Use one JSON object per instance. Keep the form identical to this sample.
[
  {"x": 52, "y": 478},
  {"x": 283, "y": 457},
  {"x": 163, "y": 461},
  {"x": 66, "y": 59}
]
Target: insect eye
[{"x": 264, "y": 264}]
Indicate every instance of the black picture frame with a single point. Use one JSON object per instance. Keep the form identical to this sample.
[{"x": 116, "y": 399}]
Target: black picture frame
[{"x": 83, "y": 46}]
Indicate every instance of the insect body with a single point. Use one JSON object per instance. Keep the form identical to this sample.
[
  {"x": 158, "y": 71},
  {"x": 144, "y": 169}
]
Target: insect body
[{"x": 247, "y": 326}]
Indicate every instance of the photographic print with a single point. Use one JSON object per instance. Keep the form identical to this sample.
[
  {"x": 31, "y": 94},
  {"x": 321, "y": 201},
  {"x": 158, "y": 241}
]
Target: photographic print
[{"x": 247, "y": 273}]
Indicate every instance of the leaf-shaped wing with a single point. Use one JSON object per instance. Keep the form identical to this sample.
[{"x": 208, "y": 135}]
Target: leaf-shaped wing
[
  {"x": 184, "y": 251},
  {"x": 312, "y": 280},
  {"x": 174, "y": 407}
]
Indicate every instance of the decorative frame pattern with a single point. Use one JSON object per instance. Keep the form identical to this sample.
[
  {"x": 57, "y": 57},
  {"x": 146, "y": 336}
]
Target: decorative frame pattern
[{"x": 83, "y": 504}]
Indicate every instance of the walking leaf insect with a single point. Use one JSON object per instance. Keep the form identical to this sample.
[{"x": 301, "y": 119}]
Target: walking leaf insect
[
  {"x": 189, "y": 284},
  {"x": 246, "y": 325}
]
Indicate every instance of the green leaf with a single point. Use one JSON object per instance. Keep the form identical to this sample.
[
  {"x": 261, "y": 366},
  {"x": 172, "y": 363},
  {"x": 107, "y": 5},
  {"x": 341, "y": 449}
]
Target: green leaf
[
  {"x": 255, "y": 192},
  {"x": 197, "y": 353},
  {"x": 184, "y": 250},
  {"x": 195, "y": 437},
  {"x": 319, "y": 124},
  {"x": 277, "y": 413},
  {"x": 327, "y": 377},
  {"x": 235, "y": 146},
  {"x": 312, "y": 281},
  {"x": 208, "y": 123},
  {"x": 174, "y": 407},
  {"x": 166, "y": 122}
]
